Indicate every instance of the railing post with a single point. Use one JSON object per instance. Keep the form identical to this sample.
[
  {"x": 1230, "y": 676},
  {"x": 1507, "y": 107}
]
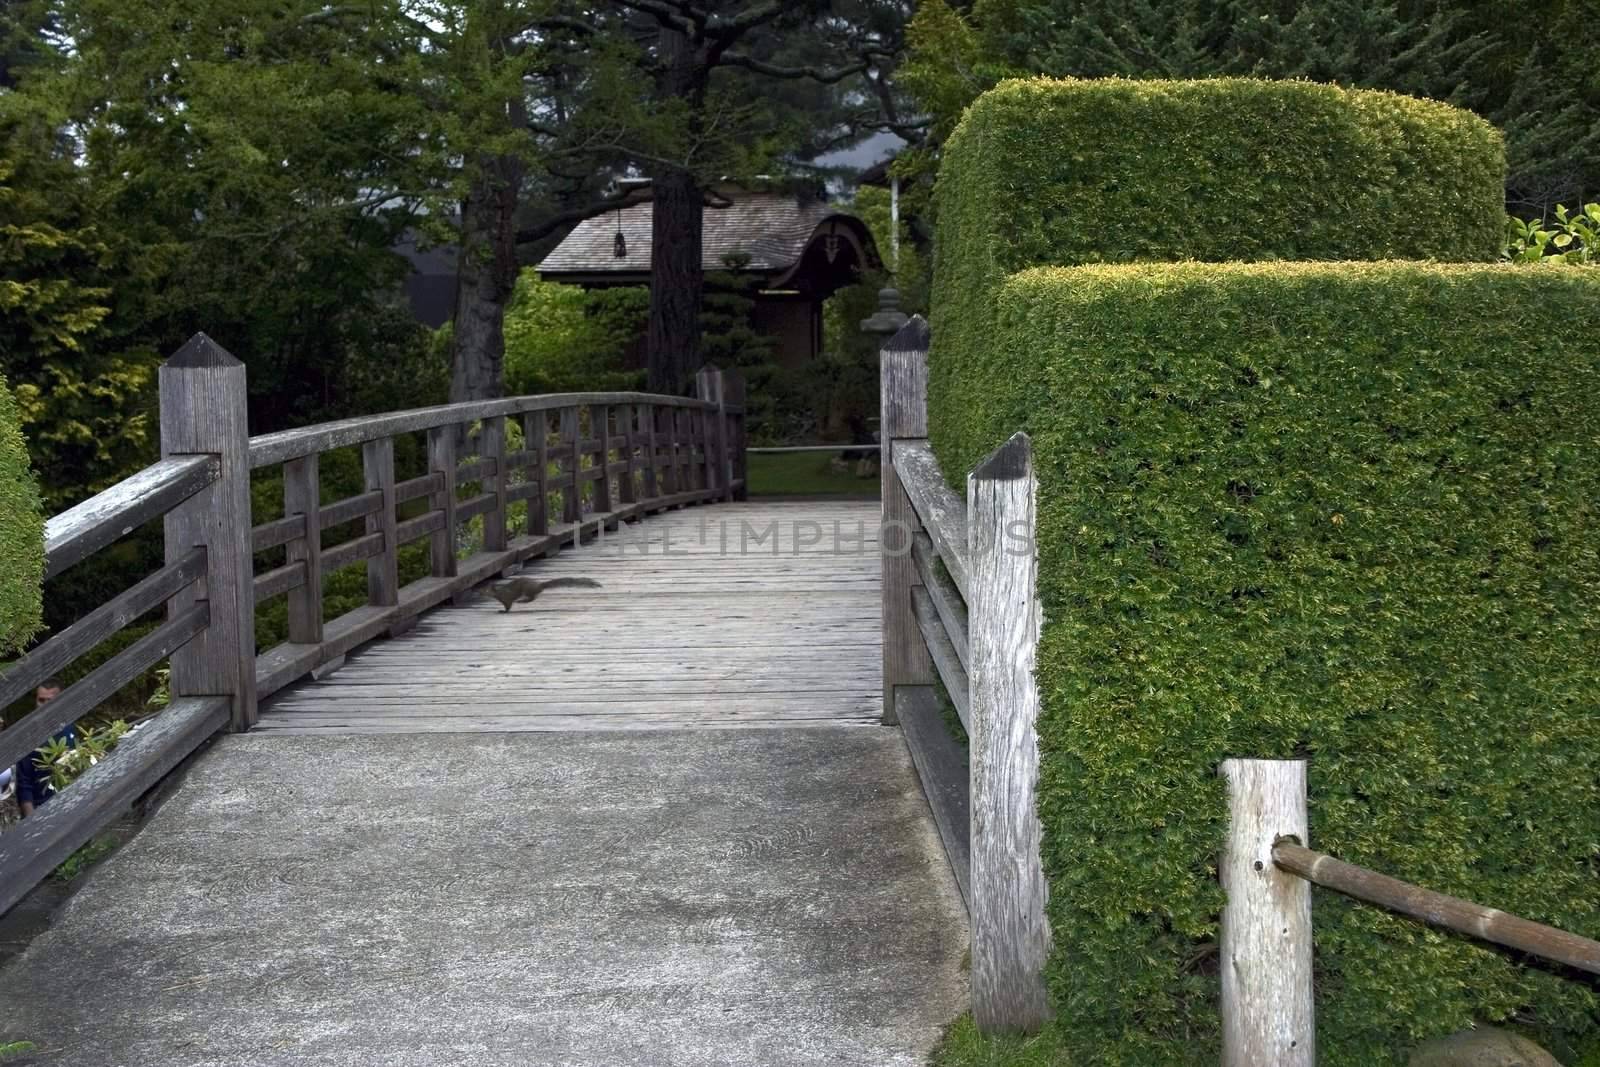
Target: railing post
[
  {"x": 1010, "y": 934},
  {"x": 302, "y": 495},
  {"x": 600, "y": 422},
  {"x": 442, "y": 461},
  {"x": 647, "y": 426},
  {"x": 710, "y": 384},
  {"x": 383, "y": 569},
  {"x": 733, "y": 393},
  {"x": 536, "y": 437},
  {"x": 204, "y": 410},
  {"x": 496, "y": 482},
  {"x": 1267, "y": 1005},
  {"x": 572, "y": 445},
  {"x": 627, "y": 484},
  {"x": 903, "y": 378}
]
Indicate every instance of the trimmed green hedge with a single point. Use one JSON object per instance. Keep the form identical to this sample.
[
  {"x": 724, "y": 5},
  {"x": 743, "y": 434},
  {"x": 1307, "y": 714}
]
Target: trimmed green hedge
[
  {"x": 1345, "y": 511},
  {"x": 21, "y": 534},
  {"x": 1057, "y": 173}
]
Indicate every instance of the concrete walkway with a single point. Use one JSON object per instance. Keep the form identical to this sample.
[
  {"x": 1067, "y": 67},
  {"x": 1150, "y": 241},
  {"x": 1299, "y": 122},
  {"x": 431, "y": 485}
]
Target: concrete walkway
[{"x": 759, "y": 898}]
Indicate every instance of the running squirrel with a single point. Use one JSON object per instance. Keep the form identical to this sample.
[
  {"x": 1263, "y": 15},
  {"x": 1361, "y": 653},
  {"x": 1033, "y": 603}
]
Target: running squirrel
[{"x": 525, "y": 590}]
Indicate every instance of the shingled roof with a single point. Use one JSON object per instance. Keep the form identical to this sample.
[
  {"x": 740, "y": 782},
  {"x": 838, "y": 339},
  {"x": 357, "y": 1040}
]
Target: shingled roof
[{"x": 771, "y": 228}]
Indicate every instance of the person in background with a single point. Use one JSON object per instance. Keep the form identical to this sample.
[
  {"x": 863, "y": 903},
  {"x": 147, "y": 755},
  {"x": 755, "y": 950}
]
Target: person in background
[{"x": 33, "y": 785}]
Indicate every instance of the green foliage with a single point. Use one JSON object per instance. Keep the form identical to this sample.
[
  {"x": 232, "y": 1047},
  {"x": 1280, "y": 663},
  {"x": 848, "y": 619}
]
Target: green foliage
[
  {"x": 21, "y": 535},
  {"x": 64, "y": 762},
  {"x": 1574, "y": 237},
  {"x": 84, "y": 395},
  {"x": 1337, "y": 510},
  {"x": 564, "y": 338},
  {"x": 1047, "y": 172},
  {"x": 1532, "y": 72}
]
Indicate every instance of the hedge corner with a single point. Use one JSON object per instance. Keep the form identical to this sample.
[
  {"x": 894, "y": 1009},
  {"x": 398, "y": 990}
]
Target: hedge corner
[{"x": 21, "y": 534}]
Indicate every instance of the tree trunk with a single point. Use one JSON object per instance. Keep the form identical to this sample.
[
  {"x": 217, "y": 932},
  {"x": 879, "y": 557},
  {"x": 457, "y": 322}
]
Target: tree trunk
[
  {"x": 676, "y": 281},
  {"x": 485, "y": 278},
  {"x": 677, "y": 217}
]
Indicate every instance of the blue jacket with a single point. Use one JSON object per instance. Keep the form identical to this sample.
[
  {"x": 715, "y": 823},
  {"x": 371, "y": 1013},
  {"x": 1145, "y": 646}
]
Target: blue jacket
[{"x": 33, "y": 785}]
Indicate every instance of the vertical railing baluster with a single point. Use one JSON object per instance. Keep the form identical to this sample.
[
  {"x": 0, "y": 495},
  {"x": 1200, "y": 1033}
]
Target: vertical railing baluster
[
  {"x": 572, "y": 453},
  {"x": 495, "y": 481},
  {"x": 383, "y": 569},
  {"x": 647, "y": 426},
  {"x": 302, "y": 495},
  {"x": 442, "y": 462},
  {"x": 600, "y": 418},
  {"x": 536, "y": 432}
]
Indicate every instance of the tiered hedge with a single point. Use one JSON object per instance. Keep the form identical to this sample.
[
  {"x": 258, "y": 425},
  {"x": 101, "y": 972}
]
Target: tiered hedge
[
  {"x": 1057, "y": 173},
  {"x": 21, "y": 534},
  {"x": 1346, "y": 511},
  {"x": 1337, "y": 510}
]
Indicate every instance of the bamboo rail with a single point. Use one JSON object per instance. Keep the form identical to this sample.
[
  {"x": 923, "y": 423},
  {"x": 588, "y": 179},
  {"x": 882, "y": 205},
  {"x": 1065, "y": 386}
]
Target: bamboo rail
[{"x": 1437, "y": 909}]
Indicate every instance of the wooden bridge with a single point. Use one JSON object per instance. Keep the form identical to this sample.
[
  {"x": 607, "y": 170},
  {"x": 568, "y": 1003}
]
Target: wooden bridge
[{"x": 658, "y": 821}]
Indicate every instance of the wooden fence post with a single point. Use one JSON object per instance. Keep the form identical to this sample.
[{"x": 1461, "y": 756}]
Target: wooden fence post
[
  {"x": 1267, "y": 1006},
  {"x": 713, "y": 384},
  {"x": 903, "y": 381},
  {"x": 1010, "y": 934},
  {"x": 497, "y": 482},
  {"x": 442, "y": 461},
  {"x": 204, "y": 410},
  {"x": 733, "y": 395}
]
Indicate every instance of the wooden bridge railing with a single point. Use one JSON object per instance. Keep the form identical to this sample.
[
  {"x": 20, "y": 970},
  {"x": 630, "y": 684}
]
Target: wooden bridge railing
[
  {"x": 960, "y": 607},
  {"x": 588, "y": 461}
]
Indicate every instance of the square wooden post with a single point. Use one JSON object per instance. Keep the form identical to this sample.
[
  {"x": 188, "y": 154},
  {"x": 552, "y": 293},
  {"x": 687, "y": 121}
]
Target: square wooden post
[
  {"x": 1010, "y": 933},
  {"x": 1267, "y": 1004},
  {"x": 204, "y": 410},
  {"x": 302, "y": 495},
  {"x": 903, "y": 379}
]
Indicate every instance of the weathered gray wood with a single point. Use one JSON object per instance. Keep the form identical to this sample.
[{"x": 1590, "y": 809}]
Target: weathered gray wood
[
  {"x": 903, "y": 399},
  {"x": 497, "y": 482},
  {"x": 302, "y": 498},
  {"x": 943, "y": 652},
  {"x": 417, "y": 488},
  {"x": 285, "y": 579},
  {"x": 785, "y": 638},
  {"x": 80, "y": 531},
  {"x": 265, "y": 535},
  {"x": 733, "y": 396},
  {"x": 482, "y": 504},
  {"x": 940, "y": 512},
  {"x": 708, "y": 387},
  {"x": 1437, "y": 909},
  {"x": 350, "y": 509},
  {"x": 421, "y": 526},
  {"x": 204, "y": 411},
  {"x": 600, "y": 421},
  {"x": 536, "y": 431},
  {"x": 65, "y": 648},
  {"x": 942, "y": 768},
  {"x": 1010, "y": 934},
  {"x": 572, "y": 460},
  {"x": 90, "y": 691},
  {"x": 352, "y": 551},
  {"x": 274, "y": 448},
  {"x": 946, "y": 597},
  {"x": 628, "y": 483},
  {"x": 442, "y": 461},
  {"x": 37, "y": 846},
  {"x": 1267, "y": 1005},
  {"x": 647, "y": 427},
  {"x": 383, "y": 568}
]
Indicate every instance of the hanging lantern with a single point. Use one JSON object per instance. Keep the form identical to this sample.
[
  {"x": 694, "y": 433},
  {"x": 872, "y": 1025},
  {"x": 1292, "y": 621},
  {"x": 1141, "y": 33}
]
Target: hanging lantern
[{"x": 620, "y": 245}]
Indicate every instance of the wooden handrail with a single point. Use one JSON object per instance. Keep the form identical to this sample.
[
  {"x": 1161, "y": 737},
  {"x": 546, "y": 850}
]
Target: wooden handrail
[
  {"x": 274, "y": 448},
  {"x": 941, "y": 512},
  {"x": 82, "y": 530},
  {"x": 1437, "y": 909}
]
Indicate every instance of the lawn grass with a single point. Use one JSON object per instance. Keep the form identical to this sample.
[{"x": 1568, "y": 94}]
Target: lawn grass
[{"x": 804, "y": 474}]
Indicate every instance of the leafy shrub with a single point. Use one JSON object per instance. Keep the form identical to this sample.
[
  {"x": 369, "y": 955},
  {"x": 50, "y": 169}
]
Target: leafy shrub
[
  {"x": 563, "y": 338},
  {"x": 1574, "y": 237},
  {"x": 21, "y": 534},
  {"x": 1054, "y": 173},
  {"x": 64, "y": 762},
  {"x": 1336, "y": 510}
]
